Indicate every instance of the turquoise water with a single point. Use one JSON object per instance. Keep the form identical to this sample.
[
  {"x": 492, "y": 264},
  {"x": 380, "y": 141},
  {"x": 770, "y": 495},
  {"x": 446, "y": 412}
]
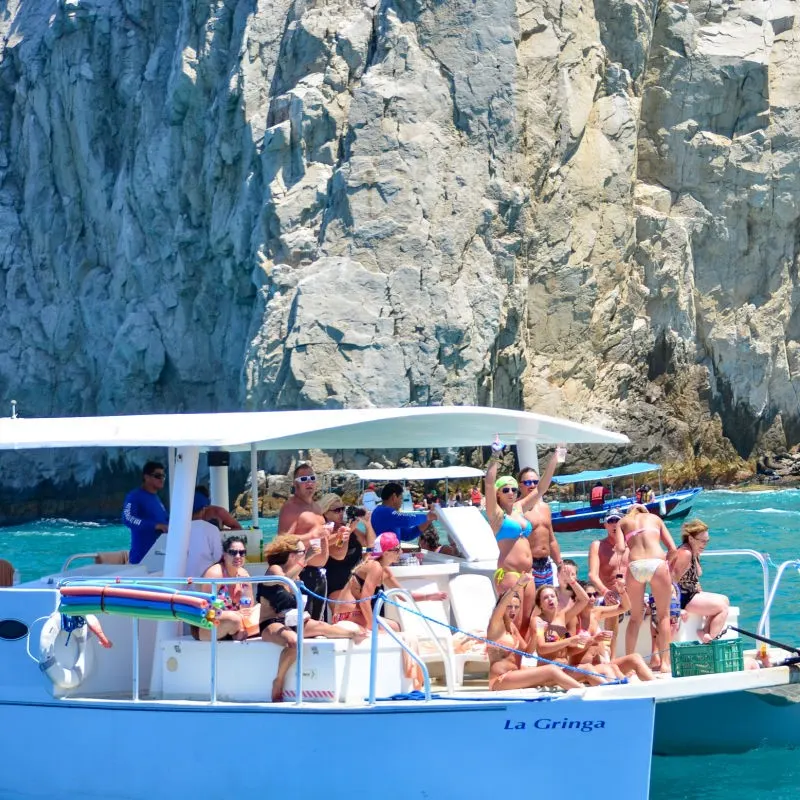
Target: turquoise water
[{"x": 768, "y": 521}]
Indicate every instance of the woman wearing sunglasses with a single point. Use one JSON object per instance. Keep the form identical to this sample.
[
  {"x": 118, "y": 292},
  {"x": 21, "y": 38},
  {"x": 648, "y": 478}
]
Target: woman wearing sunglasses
[
  {"x": 505, "y": 670},
  {"x": 279, "y": 616},
  {"x": 369, "y": 578},
  {"x": 597, "y": 654},
  {"x": 346, "y": 542},
  {"x": 235, "y": 621},
  {"x": 511, "y": 530}
]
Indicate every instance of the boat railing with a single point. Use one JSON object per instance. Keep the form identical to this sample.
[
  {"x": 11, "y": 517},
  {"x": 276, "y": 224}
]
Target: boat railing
[
  {"x": 764, "y": 624},
  {"x": 378, "y": 621},
  {"x": 215, "y": 583},
  {"x": 77, "y": 557}
]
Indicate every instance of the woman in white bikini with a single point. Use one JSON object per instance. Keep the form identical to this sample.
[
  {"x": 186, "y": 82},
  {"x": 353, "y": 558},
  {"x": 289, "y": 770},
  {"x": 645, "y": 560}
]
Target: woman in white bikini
[{"x": 643, "y": 534}]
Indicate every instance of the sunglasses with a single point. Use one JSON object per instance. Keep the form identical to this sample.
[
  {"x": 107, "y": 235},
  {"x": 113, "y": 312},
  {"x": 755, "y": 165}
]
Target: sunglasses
[
  {"x": 297, "y": 552},
  {"x": 509, "y": 489},
  {"x": 237, "y": 553},
  {"x": 306, "y": 479},
  {"x": 159, "y": 476},
  {"x": 336, "y": 510},
  {"x": 531, "y": 482},
  {"x": 592, "y": 594}
]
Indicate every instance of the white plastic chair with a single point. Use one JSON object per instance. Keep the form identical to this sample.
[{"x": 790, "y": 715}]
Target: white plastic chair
[
  {"x": 472, "y": 599},
  {"x": 418, "y": 631}
]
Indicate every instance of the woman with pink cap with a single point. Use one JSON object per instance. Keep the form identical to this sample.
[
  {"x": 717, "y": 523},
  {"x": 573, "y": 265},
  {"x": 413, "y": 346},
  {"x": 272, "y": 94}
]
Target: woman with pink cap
[{"x": 371, "y": 576}]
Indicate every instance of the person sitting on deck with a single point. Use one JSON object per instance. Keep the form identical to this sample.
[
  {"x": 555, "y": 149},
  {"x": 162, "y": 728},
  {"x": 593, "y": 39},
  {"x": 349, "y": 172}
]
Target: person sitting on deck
[
  {"x": 205, "y": 544},
  {"x": 505, "y": 670},
  {"x": 387, "y": 517},
  {"x": 598, "y": 651},
  {"x": 686, "y": 571},
  {"x": 238, "y": 619},
  {"x": 369, "y": 578},
  {"x": 144, "y": 513},
  {"x": 279, "y": 617},
  {"x": 202, "y": 509}
]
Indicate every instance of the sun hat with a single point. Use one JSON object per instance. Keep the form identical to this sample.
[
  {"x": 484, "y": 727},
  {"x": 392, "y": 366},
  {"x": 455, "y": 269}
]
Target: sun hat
[
  {"x": 506, "y": 480},
  {"x": 383, "y": 543}
]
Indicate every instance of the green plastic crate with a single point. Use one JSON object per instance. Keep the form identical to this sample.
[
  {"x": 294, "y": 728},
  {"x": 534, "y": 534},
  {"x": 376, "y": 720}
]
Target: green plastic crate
[{"x": 695, "y": 658}]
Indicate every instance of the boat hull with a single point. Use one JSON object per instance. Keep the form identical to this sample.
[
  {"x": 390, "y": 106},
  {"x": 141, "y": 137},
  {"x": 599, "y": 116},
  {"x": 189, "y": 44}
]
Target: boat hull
[
  {"x": 728, "y": 723},
  {"x": 133, "y": 751},
  {"x": 675, "y": 505}
]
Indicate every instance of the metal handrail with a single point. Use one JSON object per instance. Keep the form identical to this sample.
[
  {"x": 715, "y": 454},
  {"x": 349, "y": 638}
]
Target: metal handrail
[
  {"x": 760, "y": 557},
  {"x": 763, "y": 623},
  {"x": 373, "y": 656},
  {"x": 75, "y": 557},
  {"x": 214, "y": 582}
]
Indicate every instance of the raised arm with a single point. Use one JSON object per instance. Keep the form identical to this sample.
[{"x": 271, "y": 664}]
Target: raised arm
[
  {"x": 367, "y": 539},
  {"x": 488, "y": 489},
  {"x": 497, "y": 627},
  {"x": 594, "y": 567},
  {"x": 545, "y": 480},
  {"x": 581, "y": 601}
]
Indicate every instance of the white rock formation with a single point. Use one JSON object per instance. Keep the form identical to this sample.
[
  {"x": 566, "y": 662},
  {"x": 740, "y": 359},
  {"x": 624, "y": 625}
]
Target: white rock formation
[{"x": 586, "y": 209}]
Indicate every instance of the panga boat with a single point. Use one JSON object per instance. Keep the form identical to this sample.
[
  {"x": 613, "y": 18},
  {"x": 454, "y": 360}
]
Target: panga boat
[
  {"x": 669, "y": 505},
  {"x": 160, "y": 714}
]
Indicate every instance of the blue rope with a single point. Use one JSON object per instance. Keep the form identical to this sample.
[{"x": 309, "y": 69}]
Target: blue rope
[
  {"x": 417, "y": 695},
  {"x": 306, "y": 590},
  {"x": 499, "y": 646}
]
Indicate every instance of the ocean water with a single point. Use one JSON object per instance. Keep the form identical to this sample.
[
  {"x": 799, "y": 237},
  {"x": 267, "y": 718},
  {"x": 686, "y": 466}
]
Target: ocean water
[{"x": 767, "y": 521}]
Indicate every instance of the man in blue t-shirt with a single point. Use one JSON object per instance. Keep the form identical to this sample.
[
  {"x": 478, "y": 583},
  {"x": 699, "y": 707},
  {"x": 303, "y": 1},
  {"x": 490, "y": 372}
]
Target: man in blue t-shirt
[
  {"x": 387, "y": 516},
  {"x": 144, "y": 513}
]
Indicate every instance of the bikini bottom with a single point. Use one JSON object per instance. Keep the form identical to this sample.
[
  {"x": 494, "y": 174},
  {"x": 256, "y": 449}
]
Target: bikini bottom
[{"x": 643, "y": 569}]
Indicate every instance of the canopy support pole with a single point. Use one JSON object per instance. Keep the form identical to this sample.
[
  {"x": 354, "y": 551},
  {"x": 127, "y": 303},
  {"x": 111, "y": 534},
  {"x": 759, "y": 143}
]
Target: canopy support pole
[
  {"x": 254, "y": 483},
  {"x": 527, "y": 454},
  {"x": 180, "y": 520}
]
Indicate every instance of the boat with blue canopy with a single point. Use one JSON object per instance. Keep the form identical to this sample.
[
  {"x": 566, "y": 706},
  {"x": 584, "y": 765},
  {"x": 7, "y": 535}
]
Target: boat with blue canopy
[{"x": 669, "y": 505}]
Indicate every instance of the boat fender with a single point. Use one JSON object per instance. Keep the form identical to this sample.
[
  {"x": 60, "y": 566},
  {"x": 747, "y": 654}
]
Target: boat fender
[{"x": 63, "y": 654}]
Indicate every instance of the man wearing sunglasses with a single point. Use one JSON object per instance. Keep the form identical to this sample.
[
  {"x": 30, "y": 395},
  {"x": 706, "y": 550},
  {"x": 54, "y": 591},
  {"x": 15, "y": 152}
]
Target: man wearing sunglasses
[
  {"x": 302, "y": 516},
  {"x": 542, "y": 539},
  {"x": 144, "y": 513}
]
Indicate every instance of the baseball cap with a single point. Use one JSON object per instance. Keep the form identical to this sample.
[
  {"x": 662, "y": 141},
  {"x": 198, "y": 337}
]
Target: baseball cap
[
  {"x": 384, "y": 543},
  {"x": 614, "y": 515}
]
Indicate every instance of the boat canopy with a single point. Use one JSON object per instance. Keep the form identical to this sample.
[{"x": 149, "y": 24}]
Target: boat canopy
[
  {"x": 587, "y": 476},
  {"x": 416, "y": 474},
  {"x": 339, "y": 429}
]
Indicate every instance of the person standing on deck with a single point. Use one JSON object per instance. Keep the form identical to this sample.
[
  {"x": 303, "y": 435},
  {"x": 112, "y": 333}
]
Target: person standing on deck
[
  {"x": 144, "y": 513},
  {"x": 302, "y": 517},
  {"x": 387, "y": 517},
  {"x": 542, "y": 539}
]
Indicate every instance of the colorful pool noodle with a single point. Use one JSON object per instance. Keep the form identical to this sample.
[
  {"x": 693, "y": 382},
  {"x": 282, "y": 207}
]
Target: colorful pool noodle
[
  {"x": 151, "y": 602},
  {"x": 139, "y": 587}
]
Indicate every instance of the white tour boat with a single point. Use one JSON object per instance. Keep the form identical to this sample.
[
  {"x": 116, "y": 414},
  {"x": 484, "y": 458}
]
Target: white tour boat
[{"x": 163, "y": 715}]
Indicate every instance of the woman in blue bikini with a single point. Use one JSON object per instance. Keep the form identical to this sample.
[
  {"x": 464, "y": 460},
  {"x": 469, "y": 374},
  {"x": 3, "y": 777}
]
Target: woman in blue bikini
[
  {"x": 643, "y": 533},
  {"x": 511, "y": 530}
]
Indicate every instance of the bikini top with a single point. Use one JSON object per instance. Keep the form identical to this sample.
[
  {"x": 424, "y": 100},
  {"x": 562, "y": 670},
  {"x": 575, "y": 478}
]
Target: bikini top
[
  {"x": 511, "y": 529},
  {"x": 555, "y": 633},
  {"x": 631, "y": 534}
]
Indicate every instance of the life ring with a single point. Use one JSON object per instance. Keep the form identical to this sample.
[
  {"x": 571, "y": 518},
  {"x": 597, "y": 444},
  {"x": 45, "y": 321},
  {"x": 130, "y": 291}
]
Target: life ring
[{"x": 64, "y": 657}]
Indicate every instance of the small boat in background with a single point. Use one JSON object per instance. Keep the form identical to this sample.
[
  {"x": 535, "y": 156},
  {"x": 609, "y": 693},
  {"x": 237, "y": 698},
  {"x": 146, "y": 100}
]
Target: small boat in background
[{"x": 669, "y": 505}]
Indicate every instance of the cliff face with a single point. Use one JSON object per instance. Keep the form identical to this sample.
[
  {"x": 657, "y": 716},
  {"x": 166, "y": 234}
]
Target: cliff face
[{"x": 583, "y": 209}]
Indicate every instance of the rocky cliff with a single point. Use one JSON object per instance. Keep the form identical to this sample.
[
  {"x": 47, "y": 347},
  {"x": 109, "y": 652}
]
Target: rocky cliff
[{"x": 587, "y": 209}]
